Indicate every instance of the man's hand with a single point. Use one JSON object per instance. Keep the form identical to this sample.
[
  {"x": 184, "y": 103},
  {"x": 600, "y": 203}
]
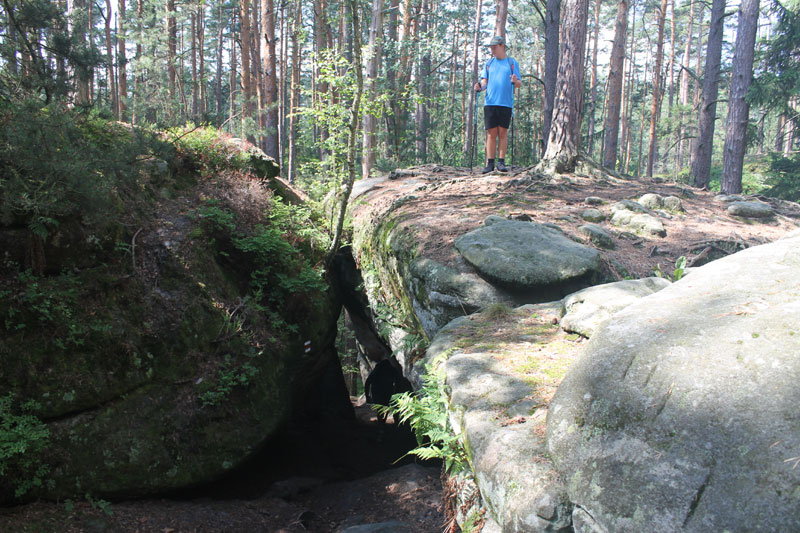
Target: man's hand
[
  {"x": 478, "y": 87},
  {"x": 516, "y": 81}
]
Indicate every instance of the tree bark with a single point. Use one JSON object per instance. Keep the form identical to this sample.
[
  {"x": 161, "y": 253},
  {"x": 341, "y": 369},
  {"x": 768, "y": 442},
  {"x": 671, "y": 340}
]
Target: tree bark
[
  {"x": 369, "y": 154},
  {"x": 172, "y": 44},
  {"x": 502, "y": 15},
  {"x": 615, "y": 78},
  {"x": 138, "y": 75},
  {"x": 234, "y": 81},
  {"x": 320, "y": 88},
  {"x": 551, "y": 28},
  {"x": 683, "y": 88},
  {"x": 201, "y": 33},
  {"x": 110, "y": 74},
  {"x": 655, "y": 107},
  {"x": 83, "y": 96},
  {"x": 704, "y": 142},
  {"x": 218, "y": 80},
  {"x": 738, "y": 107},
  {"x": 421, "y": 114},
  {"x": 392, "y": 145},
  {"x": 471, "y": 118},
  {"x": 295, "y": 89},
  {"x": 593, "y": 78},
  {"x": 194, "y": 24},
  {"x": 788, "y": 133},
  {"x": 122, "y": 60},
  {"x": 269, "y": 62},
  {"x": 245, "y": 39},
  {"x": 564, "y": 141},
  {"x": 627, "y": 99}
]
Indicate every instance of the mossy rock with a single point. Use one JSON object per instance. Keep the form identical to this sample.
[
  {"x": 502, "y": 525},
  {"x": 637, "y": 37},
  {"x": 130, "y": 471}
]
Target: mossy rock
[{"x": 156, "y": 368}]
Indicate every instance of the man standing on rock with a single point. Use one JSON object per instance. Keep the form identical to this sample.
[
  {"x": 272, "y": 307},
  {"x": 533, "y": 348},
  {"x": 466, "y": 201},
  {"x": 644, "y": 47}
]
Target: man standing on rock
[{"x": 500, "y": 77}]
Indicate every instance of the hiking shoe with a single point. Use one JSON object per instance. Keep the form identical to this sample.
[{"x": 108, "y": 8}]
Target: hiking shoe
[
  {"x": 501, "y": 167},
  {"x": 488, "y": 168}
]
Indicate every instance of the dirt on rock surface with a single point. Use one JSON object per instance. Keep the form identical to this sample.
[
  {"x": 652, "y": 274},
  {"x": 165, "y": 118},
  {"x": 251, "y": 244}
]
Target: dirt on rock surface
[{"x": 440, "y": 203}]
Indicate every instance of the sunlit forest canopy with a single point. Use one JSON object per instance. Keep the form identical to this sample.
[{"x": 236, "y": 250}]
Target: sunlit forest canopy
[{"x": 282, "y": 75}]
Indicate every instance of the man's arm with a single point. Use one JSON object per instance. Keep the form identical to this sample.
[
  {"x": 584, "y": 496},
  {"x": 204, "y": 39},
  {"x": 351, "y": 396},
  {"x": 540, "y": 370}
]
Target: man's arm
[{"x": 516, "y": 76}]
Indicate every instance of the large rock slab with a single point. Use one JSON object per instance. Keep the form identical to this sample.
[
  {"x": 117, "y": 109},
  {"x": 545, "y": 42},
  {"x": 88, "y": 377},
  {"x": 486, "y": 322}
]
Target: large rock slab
[
  {"x": 525, "y": 256},
  {"x": 439, "y": 293},
  {"x": 589, "y": 308},
  {"x": 500, "y": 408},
  {"x": 681, "y": 414}
]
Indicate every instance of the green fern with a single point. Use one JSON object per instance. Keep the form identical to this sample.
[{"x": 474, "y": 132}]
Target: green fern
[{"x": 427, "y": 415}]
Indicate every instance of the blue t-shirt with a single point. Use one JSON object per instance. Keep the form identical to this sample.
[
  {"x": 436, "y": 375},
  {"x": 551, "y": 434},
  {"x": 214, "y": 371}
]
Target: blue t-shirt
[{"x": 499, "y": 89}]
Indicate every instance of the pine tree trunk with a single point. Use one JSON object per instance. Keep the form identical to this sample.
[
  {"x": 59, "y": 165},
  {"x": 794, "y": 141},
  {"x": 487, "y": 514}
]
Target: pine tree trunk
[
  {"x": 321, "y": 44},
  {"x": 698, "y": 66},
  {"x": 564, "y": 141},
  {"x": 138, "y": 75},
  {"x": 122, "y": 61},
  {"x": 234, "y": 81},
  {"x": 369, "y": 154},
  {"x": 704, "y": 142},
  {"x": 641, "y": 126},
  {"x": 270, "y": 61},
  {"x": 201, "y": 33},
  {"x": 10, "y": 52},
  {"x": 788, "y": 135},
  {"x": 593, "y": 78},
  {"x": 738, "y": 107},
  {"x": 218, "y": 78},
  {"x": 779, "y": 133},
  {"x": 392, "y": 145},
  {"x": 615, "y": 78},
  {"x": 172, "y": 44},
  {"x": 501, "y": 8},
  {"x": 683, "y": 90},
  {"x": 110, "y": 75},
  {"x": 194, "y": 23},
  {"x": 294, "y": 96},
  {"x": 421, "y": 108},
  {"x": 551, "y": 46},
  {"x": 245, "y": 38},
  {"x": 671, "y": 79},
  {"x": 471, "y": 121},
  {"x": 283, "y": 87},
  {"x": 83, "y": 93},
  {"x": 627, "y": 99},
  {"x": 655, "y": 106}
]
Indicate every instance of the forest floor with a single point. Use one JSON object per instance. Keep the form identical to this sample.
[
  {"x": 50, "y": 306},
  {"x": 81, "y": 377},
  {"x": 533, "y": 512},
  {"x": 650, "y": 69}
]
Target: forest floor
[
  {"x": 442, "y": 203},
  {"x": 315, "y": 479},
  {"x": 329, "y": 477}
]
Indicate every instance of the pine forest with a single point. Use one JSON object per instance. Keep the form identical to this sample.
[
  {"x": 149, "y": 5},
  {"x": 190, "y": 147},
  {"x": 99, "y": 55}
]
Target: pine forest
[{"x": 688, "y": 89}]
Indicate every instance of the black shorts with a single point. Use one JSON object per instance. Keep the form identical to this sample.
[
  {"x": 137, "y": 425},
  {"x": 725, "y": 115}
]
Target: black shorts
[{"x": 496, "y": 115}]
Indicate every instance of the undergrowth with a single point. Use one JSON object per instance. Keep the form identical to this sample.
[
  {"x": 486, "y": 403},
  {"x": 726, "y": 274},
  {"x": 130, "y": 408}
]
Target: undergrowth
[
  {"x": 23, "y": 437},
  {"x": 426, "y": 413}
]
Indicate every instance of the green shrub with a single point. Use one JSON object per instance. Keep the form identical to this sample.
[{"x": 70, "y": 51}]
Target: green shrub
[
  {"x": 58, "y": 163},
  {"x": 208, "y": 147},
  {"x": 23, "y": 438},
  {"x": 783, "y": 177}
]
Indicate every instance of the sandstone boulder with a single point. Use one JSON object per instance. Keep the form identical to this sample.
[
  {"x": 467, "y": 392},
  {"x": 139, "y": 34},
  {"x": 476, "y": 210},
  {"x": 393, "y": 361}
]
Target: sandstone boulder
[
  {"x": 589, "y": 308},
  {"x": 681, "y": 414},
  {"x": 525, "y": 256}
]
